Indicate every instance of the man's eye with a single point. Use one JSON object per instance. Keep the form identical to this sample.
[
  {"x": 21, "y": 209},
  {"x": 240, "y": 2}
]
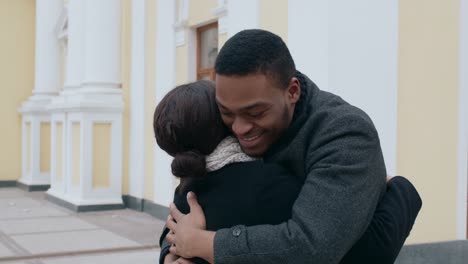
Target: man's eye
[
  {"x": 226, "y": 114},
  {"x": 258, "y": 114}
]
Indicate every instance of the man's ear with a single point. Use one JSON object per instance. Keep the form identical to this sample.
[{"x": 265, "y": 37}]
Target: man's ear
[{"x": 293, "y": 92}]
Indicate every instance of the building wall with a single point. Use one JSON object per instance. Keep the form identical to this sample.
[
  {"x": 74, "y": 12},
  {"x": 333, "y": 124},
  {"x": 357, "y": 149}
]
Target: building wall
[
  {"x": 125, "y": 68},
  {"x": 410, "y": 47},
  {"x": 17, "y": 37},
  {"x": 150, "y": 99},
  {"x": 274, "y": 17},
  {"x": 428, "y": 112}
]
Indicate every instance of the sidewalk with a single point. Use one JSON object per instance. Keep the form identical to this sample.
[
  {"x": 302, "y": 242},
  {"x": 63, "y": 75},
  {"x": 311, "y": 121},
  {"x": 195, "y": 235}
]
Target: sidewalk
[{"x": 36, "y": 231}]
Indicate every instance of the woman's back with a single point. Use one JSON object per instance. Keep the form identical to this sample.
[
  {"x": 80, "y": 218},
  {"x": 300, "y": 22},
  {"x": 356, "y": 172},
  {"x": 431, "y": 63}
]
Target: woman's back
[{"x": 246, "y": 193}]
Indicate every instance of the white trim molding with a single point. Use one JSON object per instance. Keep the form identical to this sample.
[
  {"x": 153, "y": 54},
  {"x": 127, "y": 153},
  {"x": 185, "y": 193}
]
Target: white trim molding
[
  {"x": 181, "y": 24},
  {"x": 92, "y": 95},
  {"x": 221, "y": 11},
  {"x": 462, "y": 195},
  {"x": 137, "y": 100},
  {"x": 46, "y": 86},
  {"x": 165, "y": 81}
]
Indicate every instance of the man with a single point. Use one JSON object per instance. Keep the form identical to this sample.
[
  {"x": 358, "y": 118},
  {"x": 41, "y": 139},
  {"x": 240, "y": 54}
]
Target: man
[{"x": 332, "y": 147}]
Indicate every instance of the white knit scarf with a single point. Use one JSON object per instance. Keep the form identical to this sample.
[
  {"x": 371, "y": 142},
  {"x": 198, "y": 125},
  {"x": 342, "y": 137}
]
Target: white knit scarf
[{"x": 228, "y": 151}]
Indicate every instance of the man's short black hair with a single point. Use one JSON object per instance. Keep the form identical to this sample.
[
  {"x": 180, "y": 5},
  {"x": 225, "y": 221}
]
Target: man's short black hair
[{"x": 256, "y": 51}]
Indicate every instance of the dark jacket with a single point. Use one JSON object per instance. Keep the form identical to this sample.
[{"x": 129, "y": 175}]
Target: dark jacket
[
  {"x": 333, "y": 150},
  {"x": 254, "y": 193}
]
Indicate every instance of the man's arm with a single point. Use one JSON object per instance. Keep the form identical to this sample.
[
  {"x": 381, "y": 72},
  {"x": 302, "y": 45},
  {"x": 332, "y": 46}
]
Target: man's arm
[
  {"x": 345, "y": 179},
  {"x": 390, "y": 226}
]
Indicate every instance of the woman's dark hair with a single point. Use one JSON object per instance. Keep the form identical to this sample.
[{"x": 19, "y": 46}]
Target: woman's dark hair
[
  {"x": 256, "y": 51},
  {"x": 188, "y": 126}
]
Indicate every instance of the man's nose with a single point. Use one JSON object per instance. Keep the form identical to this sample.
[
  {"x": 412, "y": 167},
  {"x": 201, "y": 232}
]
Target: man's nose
[{"x": 241, "y": 127}]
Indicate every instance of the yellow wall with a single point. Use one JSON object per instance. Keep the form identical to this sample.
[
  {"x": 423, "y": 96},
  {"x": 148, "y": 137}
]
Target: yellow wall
[
  {"x": 59, "y": 151},
  {"x": 274, "y": 17},
  {"x": 182, "y": 65},
  {"x": 17, "y": 27},
  {"x": 222, "y": 38},
  {"x": 201, "y": 12},
  {"x": 76, "y": 153},
  {"x": 125, "y": 70},
  {"x": 101, "y": 155},
  {"x": 427, "y": 112},
  {"x": 150, "y": 98},
  {"x": 28, "y": 153},
  {"x": 45, "y": 147}
]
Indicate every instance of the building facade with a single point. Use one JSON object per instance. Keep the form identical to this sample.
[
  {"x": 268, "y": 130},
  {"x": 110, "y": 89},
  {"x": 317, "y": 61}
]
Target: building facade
[{"x": 81, "y": 79}]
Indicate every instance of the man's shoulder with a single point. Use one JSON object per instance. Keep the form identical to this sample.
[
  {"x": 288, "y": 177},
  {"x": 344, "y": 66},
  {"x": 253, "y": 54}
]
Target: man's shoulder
[{"x": 330, "y": 112}]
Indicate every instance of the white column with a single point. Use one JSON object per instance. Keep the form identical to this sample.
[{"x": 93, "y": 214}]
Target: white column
[
  {"x": 137, "y": 99},
  {"x": 351, "y": 49},
  {"x": 47, "y": 64},
  {"x": 92, "y": 97},
  {"x": 102, "y": 44},
  {"x": 462, "y": 197},
  {"x": 75, "y": 48},
  {"x": 165, "y": 80},
  {"x": 46, "y": 85}
]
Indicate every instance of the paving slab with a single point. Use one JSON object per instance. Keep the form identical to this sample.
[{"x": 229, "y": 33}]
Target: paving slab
[
  {"x": 44, "y": 225},
  {"x": 133, "y": 225},
  {"x": 72, "y": 241},
  {"x": 15, "y": 212},
  {"x": 21, "y": 202},
  {"x": 11, "y": 193},
  {"x": 138, "y": 257},
  {"x": 35, "y": 231},
  {"x": 5, "y": 251}
]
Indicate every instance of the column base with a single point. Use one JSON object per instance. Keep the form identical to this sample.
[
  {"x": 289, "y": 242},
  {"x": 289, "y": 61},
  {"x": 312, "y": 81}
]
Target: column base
[
  {"x": 32, "y": 187},
  {"x": 83, "y": 207},
  {"x": 143, "y": 205},
  {"x": 6, "y": 184}
]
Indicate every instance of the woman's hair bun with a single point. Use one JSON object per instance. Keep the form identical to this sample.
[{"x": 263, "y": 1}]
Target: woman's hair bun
[{"x": 189, "y": 164}]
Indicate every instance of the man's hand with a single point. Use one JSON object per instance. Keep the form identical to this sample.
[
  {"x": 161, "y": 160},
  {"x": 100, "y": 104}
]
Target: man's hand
[
  {"x": 173, "y": 259},
  {"x": 188, "y": 236}
]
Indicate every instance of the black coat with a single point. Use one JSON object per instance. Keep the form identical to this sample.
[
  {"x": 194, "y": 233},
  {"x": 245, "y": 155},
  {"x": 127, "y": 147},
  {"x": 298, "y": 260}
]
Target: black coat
[{"x": 254, "y": 193}]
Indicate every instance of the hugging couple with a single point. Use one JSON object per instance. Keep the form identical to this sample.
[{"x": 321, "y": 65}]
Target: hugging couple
[{"x": 274, "y": 170}]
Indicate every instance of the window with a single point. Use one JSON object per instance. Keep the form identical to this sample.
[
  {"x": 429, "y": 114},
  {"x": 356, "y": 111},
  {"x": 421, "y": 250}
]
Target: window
[{"x": 207, "y": 50}]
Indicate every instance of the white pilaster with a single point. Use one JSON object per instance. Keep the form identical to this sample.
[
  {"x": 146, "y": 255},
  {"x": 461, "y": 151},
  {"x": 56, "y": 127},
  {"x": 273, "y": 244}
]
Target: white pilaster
[
  {"x": 165, "y": 81},
  {"x": 181, "y": 22},
  {"x": 75, "y": 48},
  {"x": 137, "y": 99},
  {"x": 245, "y": 18},
  {"x": 351, "y": 49},
  {"x": 221, "y": 11},
  {"x": 462, "y": 197},
  {"x": 46, "y": 85},
  {"x": 92, "y": 95}
]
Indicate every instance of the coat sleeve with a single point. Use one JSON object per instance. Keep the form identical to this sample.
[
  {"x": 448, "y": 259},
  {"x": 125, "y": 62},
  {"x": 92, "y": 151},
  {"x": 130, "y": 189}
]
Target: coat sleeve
[
  {"x": 390, "y": 226},
  {"x": 181, "y": 203},
  {"x": 345, "y": 179}
]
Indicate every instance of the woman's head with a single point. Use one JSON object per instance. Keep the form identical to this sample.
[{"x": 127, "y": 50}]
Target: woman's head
[{"x": 188, "y": 126}]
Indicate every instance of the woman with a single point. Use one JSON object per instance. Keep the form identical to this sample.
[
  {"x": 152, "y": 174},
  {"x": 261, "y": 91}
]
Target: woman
[{"x": 234, "y": 188}]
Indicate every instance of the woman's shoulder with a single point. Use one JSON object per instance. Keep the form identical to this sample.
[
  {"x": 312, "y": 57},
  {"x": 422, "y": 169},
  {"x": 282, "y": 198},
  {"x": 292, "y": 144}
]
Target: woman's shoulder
[{"x": 257, "y": 167}]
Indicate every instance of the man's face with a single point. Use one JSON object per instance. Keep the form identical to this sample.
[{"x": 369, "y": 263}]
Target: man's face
[{"x": 256, "y": 109}]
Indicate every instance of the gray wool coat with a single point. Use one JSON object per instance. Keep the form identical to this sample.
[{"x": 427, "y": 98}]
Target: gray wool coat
[{"x": 334, "y": 149}]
